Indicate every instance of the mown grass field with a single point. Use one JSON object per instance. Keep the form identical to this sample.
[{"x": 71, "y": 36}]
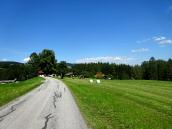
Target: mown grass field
[
  {"x": 11, "y": 91},
  {"x": 124, "y": 104}
]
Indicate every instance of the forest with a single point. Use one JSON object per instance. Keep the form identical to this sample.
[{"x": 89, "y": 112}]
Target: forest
[
  {"x": 148, "y": 70},
  {"x": 45, "y": 61}
]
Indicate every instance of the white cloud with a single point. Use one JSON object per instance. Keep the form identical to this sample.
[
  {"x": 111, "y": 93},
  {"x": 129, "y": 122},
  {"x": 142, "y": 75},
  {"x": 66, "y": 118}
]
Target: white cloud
[
  {"x": 159, "y": 38},
  {"x": 140, "y": 50},
  {"x": 162, "y": 40},
  {"x": 106, "y": 59},
  {"x": 26, "y": 59}
]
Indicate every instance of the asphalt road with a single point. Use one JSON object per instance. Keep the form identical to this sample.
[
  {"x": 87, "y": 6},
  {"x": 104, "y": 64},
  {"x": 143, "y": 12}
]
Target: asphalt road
[{"x": 50, "y": 106}]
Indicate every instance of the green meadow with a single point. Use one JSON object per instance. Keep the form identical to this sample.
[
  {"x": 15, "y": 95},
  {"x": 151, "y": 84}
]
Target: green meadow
[
  {"x": 11, "y": 91},
  {"x": 124, "y": 104}
]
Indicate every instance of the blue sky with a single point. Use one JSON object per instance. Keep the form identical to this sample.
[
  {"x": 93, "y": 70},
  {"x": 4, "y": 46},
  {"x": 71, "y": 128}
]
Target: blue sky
[{"x": 121, "y": 31}]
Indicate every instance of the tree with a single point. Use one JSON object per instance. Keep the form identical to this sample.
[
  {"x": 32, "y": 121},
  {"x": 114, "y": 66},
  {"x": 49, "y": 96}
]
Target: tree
[
  {"x": 137, "y": 72},
  {"x": 161, "y": 69},
  {"x": 169, "y": 70},
  {"x": 62, "y": 69},
  {"x": 47, "y": 61},
  {"x": 150, "y": 69},
  {"x": 44, "y": 61},
  {"x": 145, "y": 70},
  {"x": 34, "y": 61},
  {"x": 153, "y": 69},
  {"x": 33, "y": 64}
]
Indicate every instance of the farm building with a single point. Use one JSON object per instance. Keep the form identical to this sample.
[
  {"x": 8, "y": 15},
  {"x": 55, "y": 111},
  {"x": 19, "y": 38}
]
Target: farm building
[{"x": 99, "y": 75}]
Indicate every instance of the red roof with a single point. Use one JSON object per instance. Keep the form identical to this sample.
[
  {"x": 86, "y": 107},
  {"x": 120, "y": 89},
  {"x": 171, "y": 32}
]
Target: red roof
[{"x": 40, "y": 72}]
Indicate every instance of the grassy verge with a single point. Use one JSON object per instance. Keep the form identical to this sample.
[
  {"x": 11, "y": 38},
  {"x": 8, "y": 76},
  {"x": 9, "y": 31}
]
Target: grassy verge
[
  {"x": 11, "y": 91},
  {"x": 124, "y": 104}
]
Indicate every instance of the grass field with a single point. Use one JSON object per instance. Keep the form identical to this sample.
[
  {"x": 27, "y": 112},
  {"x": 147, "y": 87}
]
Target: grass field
[
  {"x": 11, "y": 91},
  {"x": 124, "y": 104}
]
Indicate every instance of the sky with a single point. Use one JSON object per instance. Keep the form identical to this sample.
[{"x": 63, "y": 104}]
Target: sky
[{"x": 79, "y": 31}]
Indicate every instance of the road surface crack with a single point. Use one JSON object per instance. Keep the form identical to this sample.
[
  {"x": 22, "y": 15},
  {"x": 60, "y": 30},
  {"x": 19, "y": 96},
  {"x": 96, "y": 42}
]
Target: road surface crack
[
  {"x": 1, "y": 120},
  {"x": 59, "y": 95},
  {"x": 47, "y": 118},
  {"x": 55, "y": 97},
  {"x": 12, "y": 109},
  {"x": 54, "y": 100}
]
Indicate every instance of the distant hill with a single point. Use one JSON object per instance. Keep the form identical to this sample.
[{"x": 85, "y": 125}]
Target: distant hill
[
  {"x": 6, "y": 64},
  {"x": 70, "y": 64},
  {"x": 9, "y": 62}
]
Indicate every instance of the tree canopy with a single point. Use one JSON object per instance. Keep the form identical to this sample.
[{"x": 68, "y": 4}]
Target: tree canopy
[
  {"x": 62, "y": 68},
  {"x": 44, "y": 61}
]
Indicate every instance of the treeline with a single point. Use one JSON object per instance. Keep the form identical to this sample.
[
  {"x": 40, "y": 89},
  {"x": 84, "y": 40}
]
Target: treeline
[
  {"x": 45, "y": 63},
  {"x": 148, "y": 70},
  {"x": 157, "y": 69},
  {"x": 15, "y": 70}
]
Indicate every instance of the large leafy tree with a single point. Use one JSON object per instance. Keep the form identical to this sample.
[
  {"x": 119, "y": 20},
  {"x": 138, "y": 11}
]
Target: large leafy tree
[
  {"x": 35, "y": 61},
  {"x": 62, "y": 68},
  {"x": 48, "y": 61},
  {"x": 44, "y": 61}
]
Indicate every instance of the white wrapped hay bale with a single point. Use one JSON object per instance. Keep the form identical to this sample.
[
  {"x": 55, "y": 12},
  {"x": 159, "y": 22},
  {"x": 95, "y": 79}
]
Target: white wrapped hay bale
[
  {"x": 91, "y": 81},
  {"x": 98, "y": 81}
]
